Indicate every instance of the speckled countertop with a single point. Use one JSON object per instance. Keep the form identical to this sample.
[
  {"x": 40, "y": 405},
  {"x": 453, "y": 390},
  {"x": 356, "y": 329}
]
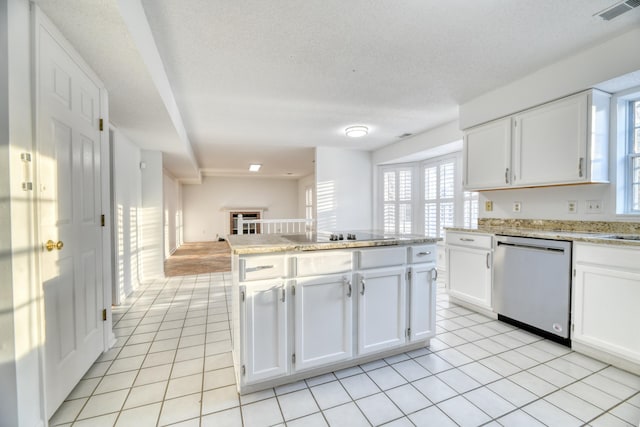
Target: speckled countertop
[
  {"x": 267, "y": 243},
  {"x": 600, "y": 232}
]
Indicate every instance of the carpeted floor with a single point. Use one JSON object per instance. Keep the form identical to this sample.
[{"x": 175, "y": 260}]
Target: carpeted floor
[{"x": 199, "y": 258}]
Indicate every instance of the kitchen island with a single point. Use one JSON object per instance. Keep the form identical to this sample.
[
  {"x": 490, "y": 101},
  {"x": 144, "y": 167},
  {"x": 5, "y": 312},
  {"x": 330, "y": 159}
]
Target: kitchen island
[{"x": 307, "y": 304}]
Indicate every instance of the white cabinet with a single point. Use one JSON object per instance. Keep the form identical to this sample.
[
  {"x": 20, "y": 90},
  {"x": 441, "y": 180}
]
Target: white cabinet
[
  {"x": 323, "y": 320},
  {"x": 381, "y": 309},
  {"x": 487, "y": 155},
  {"x": 422, "y": 299},
  {"x": 469, "y": 269},
  {"x": 606, "y": 292},
  {"x": 561, "y": 142},
  {"x": 265, "y": 330}
]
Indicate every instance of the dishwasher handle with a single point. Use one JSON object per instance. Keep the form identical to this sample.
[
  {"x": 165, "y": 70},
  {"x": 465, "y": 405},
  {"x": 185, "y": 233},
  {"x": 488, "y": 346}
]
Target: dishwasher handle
[{"x": 534, "y": 247}]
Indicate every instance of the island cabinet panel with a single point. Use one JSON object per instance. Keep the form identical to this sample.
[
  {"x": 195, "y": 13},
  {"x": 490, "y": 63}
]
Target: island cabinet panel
[
  {"x": 323, "y": 320},
  {"x": 382, "y": 309},
  {"x": 422, "y": 297},
  {"x": 322, "y": 262},
  {"x": 257, "y": 267},
  {"x": 266, "y": 313}
]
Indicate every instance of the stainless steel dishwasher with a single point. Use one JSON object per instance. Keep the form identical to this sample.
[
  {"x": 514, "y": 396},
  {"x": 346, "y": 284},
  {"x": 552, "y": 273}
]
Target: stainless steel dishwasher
[{"x": 532, "y": 285}]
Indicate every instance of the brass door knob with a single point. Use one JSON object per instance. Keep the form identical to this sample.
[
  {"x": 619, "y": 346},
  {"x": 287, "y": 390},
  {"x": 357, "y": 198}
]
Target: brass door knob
[{"x": 51, "y": 245}]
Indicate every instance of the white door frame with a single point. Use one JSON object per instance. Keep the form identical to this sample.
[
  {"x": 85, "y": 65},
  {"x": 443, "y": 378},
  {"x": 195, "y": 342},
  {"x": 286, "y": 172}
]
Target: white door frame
[{"x": 39, "y": 19}]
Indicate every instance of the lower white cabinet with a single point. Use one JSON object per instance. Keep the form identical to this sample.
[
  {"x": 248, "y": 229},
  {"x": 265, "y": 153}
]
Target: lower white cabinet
[
  {"x": 265, "y": 314},
  {"x": 381, "y": 309},
  {"x": 606, "y": 292},
  {"x": 469, "y": 268},
  {"x": 422, "y": 299},
  {"x": 323, "y": 320}
]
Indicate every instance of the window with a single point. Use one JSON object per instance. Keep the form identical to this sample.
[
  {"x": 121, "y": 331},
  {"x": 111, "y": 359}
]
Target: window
[
  {"x": 397, "y": 197},
  {"x": 633, "y": 157},
  {"x": 425, "y": 197},
  {"x": 308, "y": 202},
  {"x": 439, "y": 196}
]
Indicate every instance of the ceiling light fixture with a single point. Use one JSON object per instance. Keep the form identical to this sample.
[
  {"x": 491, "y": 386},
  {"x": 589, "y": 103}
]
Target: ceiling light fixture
[
  {"x": 254, "y": 167},
  {"x": 356, "y": 131}
]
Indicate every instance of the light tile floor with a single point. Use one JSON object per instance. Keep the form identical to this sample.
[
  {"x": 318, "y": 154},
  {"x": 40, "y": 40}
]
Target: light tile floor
[{"x": 172, "y": 365}]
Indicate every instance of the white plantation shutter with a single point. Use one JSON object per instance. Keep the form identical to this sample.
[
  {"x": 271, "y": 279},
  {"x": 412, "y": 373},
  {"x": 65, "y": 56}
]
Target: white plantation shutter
[
  {"x": 634, "y": 158},
  {"x": 439, "y": 196},
  {"x": 397, "y": 195},
  {"x": 470, "y": 208}
]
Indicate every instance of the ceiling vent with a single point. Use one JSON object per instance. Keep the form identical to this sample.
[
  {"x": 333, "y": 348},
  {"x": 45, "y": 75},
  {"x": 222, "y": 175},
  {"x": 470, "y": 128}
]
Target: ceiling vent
[{"x": 618, "y": 9}]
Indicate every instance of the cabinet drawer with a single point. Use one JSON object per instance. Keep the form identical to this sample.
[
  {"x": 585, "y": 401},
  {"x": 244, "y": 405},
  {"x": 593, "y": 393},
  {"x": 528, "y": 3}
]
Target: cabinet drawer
[
  {"x": 423, "y": 253},
  {"x": 262, "y": 267},
  {"x": 476, "y": 240},
  {"x": 383, "y": 257},
  {"x": 608, "y": 255},
  {"x": 323, "y": 262}
]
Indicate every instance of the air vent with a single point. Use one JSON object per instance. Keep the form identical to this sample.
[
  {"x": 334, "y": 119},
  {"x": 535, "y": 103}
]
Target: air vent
[
  {"x": 618, "y": 9},
  {"x": 405, "y": 135}
]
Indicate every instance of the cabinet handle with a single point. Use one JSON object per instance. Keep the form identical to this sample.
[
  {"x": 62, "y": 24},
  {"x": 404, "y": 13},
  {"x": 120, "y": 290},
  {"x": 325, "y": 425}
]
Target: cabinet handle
[
  {"x": 466, "y": 239},
  {"x": 348, "y": 283},
  {"x": 284, "y": 295},
  {"x": 363, "y": 288},
  {"x": 434, "y": 274},
  {"x": 423, "y": 253},
  {"x": 506, "y": 176},
  {"x": 488, "y": 255},
  {"x": 259, "y": 267},
  {"x": 580, "y": 165}
]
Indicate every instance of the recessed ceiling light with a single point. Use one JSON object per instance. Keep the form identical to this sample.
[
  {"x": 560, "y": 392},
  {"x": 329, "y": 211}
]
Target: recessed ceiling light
[
  {"x": 254, "y": 167},
  {"x": 356, "y": 131}
]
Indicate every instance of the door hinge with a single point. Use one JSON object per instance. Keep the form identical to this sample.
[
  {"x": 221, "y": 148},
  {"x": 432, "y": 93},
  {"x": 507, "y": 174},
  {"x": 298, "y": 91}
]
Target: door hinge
[
  {"x": 408, "y": 332},
  {"x": 244, "y": 370},
  {"x": 242, "y": 296},
  {"x": 104, "y": 314},
  {"x": 293, "y": 358},
  {"x": 574, "y": 272},
  {"x": 101, "y": 124},
  {"x": 293, "y": 290},
  {"x": 408, "y": 274},
  {"x": 573, "y": 327},
  {"x": 102, "y": 220}
]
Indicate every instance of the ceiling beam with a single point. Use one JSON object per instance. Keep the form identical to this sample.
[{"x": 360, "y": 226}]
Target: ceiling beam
[{"x": 135, "y": 18}]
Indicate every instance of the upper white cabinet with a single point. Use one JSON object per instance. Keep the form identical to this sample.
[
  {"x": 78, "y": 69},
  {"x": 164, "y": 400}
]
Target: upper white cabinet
[
  {"x": 561, "y": 142},
  {"x": 487, "y": 155}
]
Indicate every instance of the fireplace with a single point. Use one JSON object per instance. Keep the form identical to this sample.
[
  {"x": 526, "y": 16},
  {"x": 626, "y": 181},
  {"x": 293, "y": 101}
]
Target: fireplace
[{"x": 246, "y": 215}]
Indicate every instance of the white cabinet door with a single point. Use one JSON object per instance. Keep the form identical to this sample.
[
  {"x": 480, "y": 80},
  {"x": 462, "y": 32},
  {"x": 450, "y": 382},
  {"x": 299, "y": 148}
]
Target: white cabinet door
[
  {"x": 550, "y": 143},
  {"x": 422, "y": 300},
  {"x": 323, "y": 320},
  {"x": 487, "y": 155},
  {"x": 265, "y": 330},
  {"x": 469, "y": 273},
  {"x": 605, "y": 310},
  {"x": 381, "y": 309}
]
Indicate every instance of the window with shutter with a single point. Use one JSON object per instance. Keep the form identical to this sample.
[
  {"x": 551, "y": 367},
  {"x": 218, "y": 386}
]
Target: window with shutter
[
  {"x": 633, "y": 158},
  {"x": 397, "y": 197}
]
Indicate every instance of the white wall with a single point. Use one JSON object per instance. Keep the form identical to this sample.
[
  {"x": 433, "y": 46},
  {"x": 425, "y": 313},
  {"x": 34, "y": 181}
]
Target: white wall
[
  {"x": 20, "y": 339},
  {"x": 171, "y": 192},
  {"x": 150, "y": 226},
  {"x": 581, "y": 71},
  {"x": 127, "y": 199},
  {"x": 303, "y": 184},
  {"x": 344, "y": 188},
  {"x": 205, "y": 217}
]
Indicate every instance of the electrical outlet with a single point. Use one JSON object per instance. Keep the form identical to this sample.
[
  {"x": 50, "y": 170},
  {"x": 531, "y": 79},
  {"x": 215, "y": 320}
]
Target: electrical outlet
[
  {"x": 572, "y": 206},
  {"x": 488, "y": 206},
  {"x": 517, "y": 206},
  {"x": 594, "y": 206}
]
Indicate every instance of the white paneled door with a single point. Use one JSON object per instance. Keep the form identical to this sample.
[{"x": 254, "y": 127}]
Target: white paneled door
[{"x": 69, "y": 193}]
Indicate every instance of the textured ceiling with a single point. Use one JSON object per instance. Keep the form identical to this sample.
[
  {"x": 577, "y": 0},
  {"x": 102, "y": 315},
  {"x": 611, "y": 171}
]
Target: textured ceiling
[{"x": 254, "y": 78}]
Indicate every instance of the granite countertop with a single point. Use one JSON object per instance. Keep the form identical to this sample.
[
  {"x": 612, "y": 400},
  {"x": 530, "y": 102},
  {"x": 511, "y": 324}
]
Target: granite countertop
[
  {"x": 267, "y": 243},
  {"x": 600, "y": 232}
]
